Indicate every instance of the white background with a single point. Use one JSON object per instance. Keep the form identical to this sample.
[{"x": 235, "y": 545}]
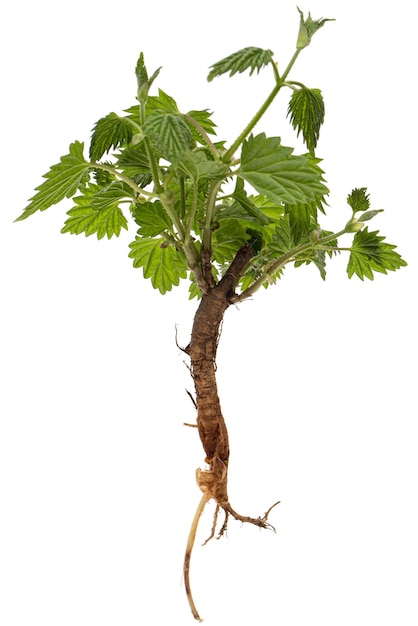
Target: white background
[{"x": 317, "y": 380}]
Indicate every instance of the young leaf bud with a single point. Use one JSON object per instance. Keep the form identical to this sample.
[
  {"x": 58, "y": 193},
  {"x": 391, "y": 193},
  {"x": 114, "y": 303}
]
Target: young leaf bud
[
  {"x": 353, "y": 226},
  {"x": 307, "y": 29},
  {"x": 316, "y": 234}
]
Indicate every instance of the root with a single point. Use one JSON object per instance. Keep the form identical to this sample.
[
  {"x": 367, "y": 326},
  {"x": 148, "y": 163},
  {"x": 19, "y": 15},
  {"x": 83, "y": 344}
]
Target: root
[
  {"x": 189, "y": 547},
  {"x": 261, "y": 522},
  {"x": 215, "y": 521},
  {"x": 191, "y": 398},
  {"x": 209, "y": 481}
]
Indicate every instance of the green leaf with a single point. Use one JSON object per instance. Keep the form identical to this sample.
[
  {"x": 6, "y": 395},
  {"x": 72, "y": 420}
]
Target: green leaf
[
  {"x": 273, "y": 210},
  {"x": 151, "y": 218},
  {"x": 370, "y": 253},
  {"x": 249, "y": 207},
  {"x": 276, "y": 173},
  {"x": 359, "y": 200},
  {"x": 302, "y": 219},
  {"x": 203, "y": 118},
  {"x": 110, "y": 132},
  {"x": 307, "y": 111},
  {"x": 163, "y": 103},
  {"x": 170, "y": 133},
  {"x": 133, "y": 161},
  {"x": 62, "y": 181},
  {"x": 238, "y": 62},
  {"x": 197, "y": 165},
  {"x": 227, "y": 239},
  {"x": 160, "y": 262},
  {"x": 282, "y": 240},
  {"x": 97, "y": 211}
]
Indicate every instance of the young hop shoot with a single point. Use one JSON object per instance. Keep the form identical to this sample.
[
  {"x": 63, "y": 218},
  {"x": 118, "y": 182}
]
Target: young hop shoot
[{"x": 165, "y": 173}]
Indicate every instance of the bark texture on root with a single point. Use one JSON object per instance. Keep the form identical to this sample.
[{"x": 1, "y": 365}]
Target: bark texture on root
[{"x": 212, "y": 429}]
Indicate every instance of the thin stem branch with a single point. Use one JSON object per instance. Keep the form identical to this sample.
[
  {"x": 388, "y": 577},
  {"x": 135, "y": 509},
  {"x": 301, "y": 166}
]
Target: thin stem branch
[
  {"x": 280, "y": 80},
  {"x": 291, "y": 64},
  {"x": 210, "y": 214},
  {"x": 239, "y": 140},
  {"x": 192, "y": 213},
  {"x": 289, "y": 257},
  {"x": 204, "y": 135},
  {"x": 125, "y": 179}
]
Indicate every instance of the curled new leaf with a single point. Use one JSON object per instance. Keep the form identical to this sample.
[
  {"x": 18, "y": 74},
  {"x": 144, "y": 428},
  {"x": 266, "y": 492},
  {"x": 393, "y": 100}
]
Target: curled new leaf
[
  {"x": 144, "y": 83},
  {"x": 359, "y": 200}
]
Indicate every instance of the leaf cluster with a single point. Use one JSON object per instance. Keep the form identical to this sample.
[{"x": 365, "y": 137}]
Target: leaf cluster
[{"x": 196, "y": 203}]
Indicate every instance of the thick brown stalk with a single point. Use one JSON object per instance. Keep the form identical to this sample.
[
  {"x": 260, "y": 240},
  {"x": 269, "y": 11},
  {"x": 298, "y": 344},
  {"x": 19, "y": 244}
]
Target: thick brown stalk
[{"x": 210, "y": 422}]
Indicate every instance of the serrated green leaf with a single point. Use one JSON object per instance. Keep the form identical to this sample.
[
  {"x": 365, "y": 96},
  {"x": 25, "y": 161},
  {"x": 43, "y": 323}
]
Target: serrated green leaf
[
  {"x": 151, "y": 218},
  {"x": 112, "y": 195},
  {"x": 203, "y": 118},
  {"x": 271, "y": 209},
  {"x": 282, "y": 240},
  {"x": 370, "y": 253},
  {"x": 163, "y": 103},
  {"x": 97, "y": 212},
  {"x": 307, "y": 111},
  {"x": 62, "y": 181},
  {"x": 227, "y": 239},
  {"x": 247, "y": 58},
  {"x": 133, "y": 161},
  {"x": 164, "y": 265},
  {"x": 359, "y": 200},
  {"x": 302, "y": 219},
  {"x": 276, "y": 173},
  {"x": 170, "y": 133},
  {"x": 197, "y": 165},
  {"x": 109, "y": 132}
]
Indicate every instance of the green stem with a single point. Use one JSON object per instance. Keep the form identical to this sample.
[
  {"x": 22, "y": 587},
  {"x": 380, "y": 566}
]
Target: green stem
[
  {"x": 153, "y": 166},
  {"x": 125, "y": 179},
  {"x": 291, "y": 64},
  {"x": 204, "y": 135},
  {"x": 172, "y": 214},
  {"x": 150, "y": 154},
  {"x": 239, "y": 140},
  {"x": 210, "y": 214},
  {"x": 289, "y": 257},
  {"x": 182, "y": 196},
  {"x": 279, "y": 84},
  {"x": 192, "y": 213}
]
